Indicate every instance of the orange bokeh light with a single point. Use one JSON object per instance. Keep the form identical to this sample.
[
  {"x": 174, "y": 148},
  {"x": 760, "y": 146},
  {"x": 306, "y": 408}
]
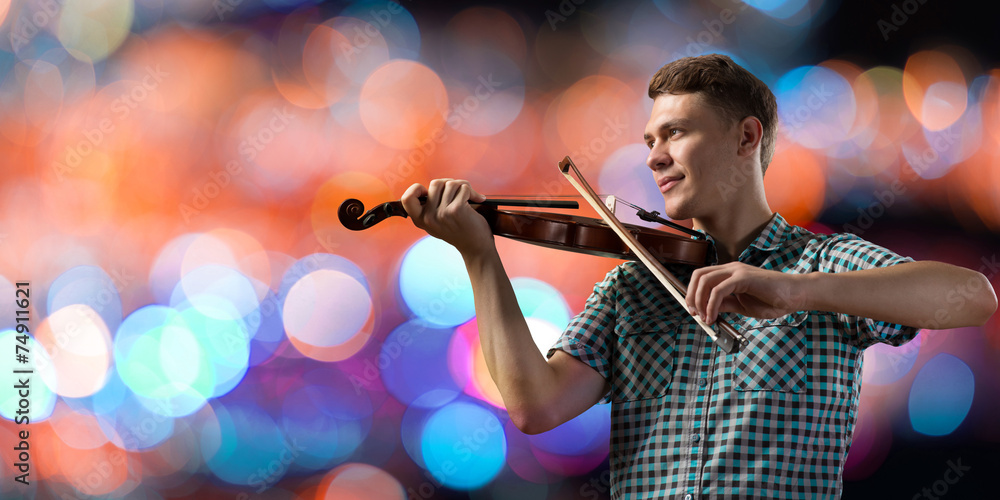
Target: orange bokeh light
[
  {"x": 403, "y": 104},
  {"x": 4, "y": 8},
  {"x": 594, "y": 117},
  {"x": 338, "y": 352},
  {"x": 78, "y": 429},
  {"x": 795, "y": 183},
  {"x": 934, "y": 88},
  {"x": 99, "y": 471},
  {"x": 319, "y": 64},
  {"x": 357, "y": 481}
]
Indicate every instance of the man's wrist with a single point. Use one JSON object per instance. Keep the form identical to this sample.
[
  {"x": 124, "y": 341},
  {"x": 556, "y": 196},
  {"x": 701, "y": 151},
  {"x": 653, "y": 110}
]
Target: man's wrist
[
  {"x": 477, "y": 259},
  {"x": 809, "y": 290}
]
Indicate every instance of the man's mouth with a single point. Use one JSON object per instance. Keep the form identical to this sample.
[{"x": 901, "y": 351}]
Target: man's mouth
[{"x": 667, "y": 182}]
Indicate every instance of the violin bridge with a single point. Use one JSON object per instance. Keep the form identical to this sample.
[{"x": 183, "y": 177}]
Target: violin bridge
[{"x": 611, "y": 202}]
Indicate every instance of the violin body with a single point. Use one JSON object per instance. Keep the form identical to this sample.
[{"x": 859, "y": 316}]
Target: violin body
[{"x": 592, "y": 236}]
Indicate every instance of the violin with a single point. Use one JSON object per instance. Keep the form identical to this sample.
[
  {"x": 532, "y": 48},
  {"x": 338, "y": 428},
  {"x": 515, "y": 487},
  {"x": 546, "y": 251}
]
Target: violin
[
  {"x": 607, "y": 237},
  {"x": 553, "y": 230}
]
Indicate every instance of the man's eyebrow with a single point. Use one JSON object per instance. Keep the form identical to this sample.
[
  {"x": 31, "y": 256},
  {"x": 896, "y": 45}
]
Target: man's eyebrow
[{"x": 667, "y": 125}]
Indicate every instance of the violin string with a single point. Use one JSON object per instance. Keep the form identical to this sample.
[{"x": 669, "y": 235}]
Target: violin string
[
  {"x": 560, "y": 196},
  {"x": 626, "y": 203}
]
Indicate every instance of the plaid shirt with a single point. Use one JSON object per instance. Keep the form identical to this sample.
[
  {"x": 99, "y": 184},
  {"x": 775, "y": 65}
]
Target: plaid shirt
[{"x": 689, "y": 421}]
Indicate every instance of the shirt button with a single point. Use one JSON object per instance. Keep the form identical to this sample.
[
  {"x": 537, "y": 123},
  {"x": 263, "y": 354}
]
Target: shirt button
[
  {"x": 695, "y": 438},
  {"x": 688, "y": 497},
  {"x": 702, "y": 382}
]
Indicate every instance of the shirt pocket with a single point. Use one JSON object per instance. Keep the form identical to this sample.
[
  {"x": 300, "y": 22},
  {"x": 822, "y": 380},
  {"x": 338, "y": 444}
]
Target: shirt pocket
[
  {"x": 774, "y": 358},
  {"x": 644, "y": 361}
]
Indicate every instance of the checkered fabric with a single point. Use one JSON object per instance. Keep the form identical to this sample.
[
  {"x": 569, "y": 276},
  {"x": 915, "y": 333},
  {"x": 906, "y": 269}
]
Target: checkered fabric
[{"x": 689, "y": 421}]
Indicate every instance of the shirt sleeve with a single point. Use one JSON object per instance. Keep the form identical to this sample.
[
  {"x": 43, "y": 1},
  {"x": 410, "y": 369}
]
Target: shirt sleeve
[
  {"x": 847, "y": 252},
  {"x": 589, "y": 335}
]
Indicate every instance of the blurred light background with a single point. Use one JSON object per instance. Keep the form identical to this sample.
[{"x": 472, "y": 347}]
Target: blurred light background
[{"x": 204, "y": 327}]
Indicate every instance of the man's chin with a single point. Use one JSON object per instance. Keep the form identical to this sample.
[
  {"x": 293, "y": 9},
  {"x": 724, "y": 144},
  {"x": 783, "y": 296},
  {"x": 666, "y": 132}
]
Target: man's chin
[{"x": 675, "y": 212}]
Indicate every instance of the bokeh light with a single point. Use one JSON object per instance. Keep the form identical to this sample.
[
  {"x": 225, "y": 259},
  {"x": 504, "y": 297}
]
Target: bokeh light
[
  {"x": 934, "y": 88},
  {"x": 463, "y": 445},
  {"x": 794, "y": 183},
  {"x": 326, "y": 308},
  {"x": 360, "y": 482},
  {"x": 468, "y": 364},
  {"x": 816, "y": 105},
  {"x": 414, "y": 364},
  {"x": 306, "y": 418},
  {"x": 884, "y": 364},
  {"x": 159, "y": 358},
  {"x": 941, "y": 395},
  {"x": 246, "y": 447},
  {"x": 43, "y": 399},
  {"x": 434, "y": 284},
  {"x": 78, "y": 346},
  {"x": 403, "y": 104},
  {"x": 89, "y": 286},
  {"x": 95, "y": 28}
]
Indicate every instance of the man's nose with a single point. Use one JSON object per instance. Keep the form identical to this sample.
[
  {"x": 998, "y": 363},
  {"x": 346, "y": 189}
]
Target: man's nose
[{"x": 658, "y": 158}]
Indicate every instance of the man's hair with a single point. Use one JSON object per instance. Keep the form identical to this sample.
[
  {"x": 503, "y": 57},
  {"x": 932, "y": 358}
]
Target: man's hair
[{"x": 736, "y": 92}]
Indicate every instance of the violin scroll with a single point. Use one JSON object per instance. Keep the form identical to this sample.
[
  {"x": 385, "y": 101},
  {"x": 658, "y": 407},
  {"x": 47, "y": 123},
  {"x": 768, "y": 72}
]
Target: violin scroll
[{"x": 353, "y": 216}]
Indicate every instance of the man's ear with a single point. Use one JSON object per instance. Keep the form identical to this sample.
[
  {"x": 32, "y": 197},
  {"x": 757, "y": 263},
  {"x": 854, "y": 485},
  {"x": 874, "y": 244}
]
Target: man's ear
[{"x": 751, "y": 133}]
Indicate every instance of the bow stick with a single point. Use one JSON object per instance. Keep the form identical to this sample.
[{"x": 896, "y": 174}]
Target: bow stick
[{"x": 727, "y": 338}]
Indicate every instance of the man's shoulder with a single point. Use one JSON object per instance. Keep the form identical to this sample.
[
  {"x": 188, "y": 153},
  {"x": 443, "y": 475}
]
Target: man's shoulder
[
  {"x": 802, "y": 239},
  {"x": 845, "y": 251}
]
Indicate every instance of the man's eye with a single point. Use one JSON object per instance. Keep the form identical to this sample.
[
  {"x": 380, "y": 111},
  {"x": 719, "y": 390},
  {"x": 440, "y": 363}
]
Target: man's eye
[
  {"x": 650, "y": 144},
  {"x": 675, "y": 131}
]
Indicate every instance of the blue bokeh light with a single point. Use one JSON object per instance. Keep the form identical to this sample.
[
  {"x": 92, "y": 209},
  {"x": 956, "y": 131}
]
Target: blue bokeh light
[
  {"x": 540, "y": 300},
  {"x": 133, "y": 426},
  {"x": 434, "y": 283},
  {"x": 464, "y": 446},
  {"x": 87, "y": 285},
  {"x": 413, "y": 363},
  {"x": 941, "y": 395},
  {"x": 816, "y": 106},
  {"x": 246, "y": 447},
  {"x": 583, "y": 434}
]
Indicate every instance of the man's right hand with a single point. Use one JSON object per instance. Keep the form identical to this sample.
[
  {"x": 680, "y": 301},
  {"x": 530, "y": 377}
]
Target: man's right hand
[{"x": 448, "y": 216}]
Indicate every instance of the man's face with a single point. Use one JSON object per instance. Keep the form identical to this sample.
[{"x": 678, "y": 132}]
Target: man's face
[{"x": 691, "y": 150}]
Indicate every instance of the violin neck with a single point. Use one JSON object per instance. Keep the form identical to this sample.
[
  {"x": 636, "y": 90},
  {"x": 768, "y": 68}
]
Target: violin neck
[{"x": 523, "y": 202}]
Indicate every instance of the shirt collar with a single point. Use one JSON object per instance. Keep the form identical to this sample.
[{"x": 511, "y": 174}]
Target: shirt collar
[
  {"x": 773, "y": 235},
  {"x": 770, "y": 238}
]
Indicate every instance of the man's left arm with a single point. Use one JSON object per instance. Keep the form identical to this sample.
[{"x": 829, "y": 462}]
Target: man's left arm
[{"x": 923, "y": 294}]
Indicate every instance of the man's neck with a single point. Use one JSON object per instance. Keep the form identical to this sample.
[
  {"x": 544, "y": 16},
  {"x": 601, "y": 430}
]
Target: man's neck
[{"x": 736, "y": 229}]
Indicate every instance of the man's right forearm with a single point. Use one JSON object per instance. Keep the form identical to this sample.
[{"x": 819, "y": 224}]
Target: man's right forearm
[{"x": 518, "y": 368}]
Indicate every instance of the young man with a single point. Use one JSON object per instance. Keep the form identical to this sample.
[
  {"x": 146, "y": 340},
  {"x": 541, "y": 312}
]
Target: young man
[{"x": 773, "y": 420}]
